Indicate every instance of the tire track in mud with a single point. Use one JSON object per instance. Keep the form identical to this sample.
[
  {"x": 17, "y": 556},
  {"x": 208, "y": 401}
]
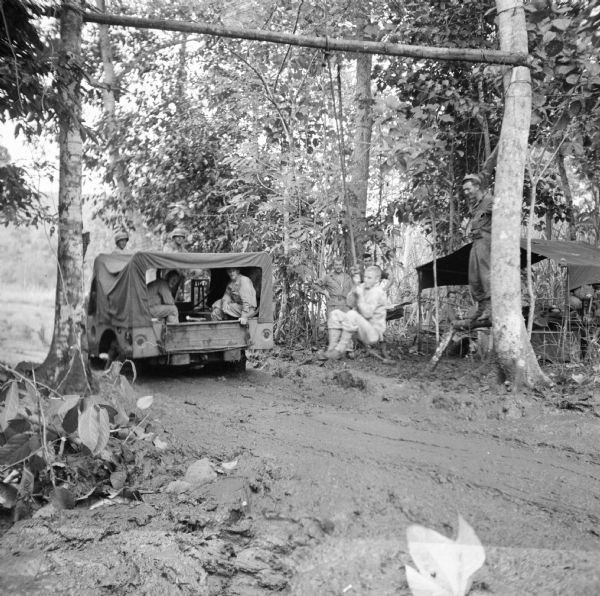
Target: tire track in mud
[
  {"x": 499, "y": 474},
  {"x": 547, "y": 484}
]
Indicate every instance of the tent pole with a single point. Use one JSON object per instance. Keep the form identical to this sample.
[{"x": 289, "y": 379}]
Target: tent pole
[
  {"x": 419, "y": 314},
  {"x": 567, "y": 316}
]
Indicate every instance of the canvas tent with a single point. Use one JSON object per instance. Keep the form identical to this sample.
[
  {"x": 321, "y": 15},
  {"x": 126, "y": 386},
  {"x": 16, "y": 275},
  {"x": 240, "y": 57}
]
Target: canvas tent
[{"x": 582, "y": 261}]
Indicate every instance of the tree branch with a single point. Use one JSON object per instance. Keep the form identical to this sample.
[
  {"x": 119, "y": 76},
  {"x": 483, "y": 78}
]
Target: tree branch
[{"x": 340, "y": 45}]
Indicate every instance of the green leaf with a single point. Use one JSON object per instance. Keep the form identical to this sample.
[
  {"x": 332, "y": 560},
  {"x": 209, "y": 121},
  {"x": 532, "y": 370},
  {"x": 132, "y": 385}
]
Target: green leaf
[
  {"x": 564, "y": 69},
  {"x": 93, "y": 428},
  {"x": 26, "y": 484},
  {"x": 391, "y": 101},
  {"x": 538, "y": 99},
  {"x": 554, "y": 47},
  {"x": 11, "y": 405},
  {"x": 572, "y": 79},
  {"x": 145, "y": 402},
  {"x": 562, "y": 24},
  {"x": 118, "y": 479},
  {"x": 8, "y": 495},
  {"x": 575, "y": 108},
  {"x": 17, "y": 448},
  {"x": 71, "y": 420},
  {"x": 60, "y": 406}
]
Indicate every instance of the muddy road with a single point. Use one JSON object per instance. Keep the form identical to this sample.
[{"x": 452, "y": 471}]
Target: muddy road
[{"x": 320, "y": 469}]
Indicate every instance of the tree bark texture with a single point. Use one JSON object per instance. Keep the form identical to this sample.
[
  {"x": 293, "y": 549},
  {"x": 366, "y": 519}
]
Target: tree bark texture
[
  {"x": 359, "y": 168},
  {"x": 512, "y": 345},
  {"x": 566, "y": 188},
  {"x": 65, "y": 367},
  {"x": 324, "y": 43}
]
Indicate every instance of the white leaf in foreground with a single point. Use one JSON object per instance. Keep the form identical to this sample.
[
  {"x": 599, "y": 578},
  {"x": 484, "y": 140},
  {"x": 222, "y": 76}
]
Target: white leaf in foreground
[
  {"x": 445, "y": 566},
  {"x": 422, "y": 585},
  {"x": 93, "y": 428},
  {"x": 143, "y": 403}
]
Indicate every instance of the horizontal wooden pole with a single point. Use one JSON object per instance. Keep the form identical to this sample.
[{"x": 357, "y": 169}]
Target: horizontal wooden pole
[{"x": 324, "y": 43}]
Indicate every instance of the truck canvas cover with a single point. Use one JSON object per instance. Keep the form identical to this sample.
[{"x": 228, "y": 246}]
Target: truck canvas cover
[{"x": 121, "y": 290}]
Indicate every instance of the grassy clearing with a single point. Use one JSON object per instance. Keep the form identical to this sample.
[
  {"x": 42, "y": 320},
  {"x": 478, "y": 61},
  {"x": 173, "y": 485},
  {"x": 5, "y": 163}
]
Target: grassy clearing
[{"x": 26, "y": 322}]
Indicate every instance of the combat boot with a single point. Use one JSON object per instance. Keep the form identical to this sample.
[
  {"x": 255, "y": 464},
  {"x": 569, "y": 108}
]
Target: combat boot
[
  {"x": 345, "y": 343},
  {"x": 478, "y": 312},
  {"x": 486, "y": 311},
  {"x": 334, "y": 338}
]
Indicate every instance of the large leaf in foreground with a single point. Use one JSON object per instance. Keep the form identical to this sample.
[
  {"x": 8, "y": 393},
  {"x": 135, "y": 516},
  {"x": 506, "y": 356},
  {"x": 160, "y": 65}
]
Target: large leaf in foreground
[
  {"x": 11, "y": 405},
  {"x": 445, "y": 566},
  {"x": 93, "y": 428},
  {"x": 17, "y": 448}
]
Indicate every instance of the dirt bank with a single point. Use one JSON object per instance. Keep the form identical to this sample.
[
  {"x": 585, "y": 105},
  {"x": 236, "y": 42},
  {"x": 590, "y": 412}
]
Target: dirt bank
[{"x": 325, "y": 467}]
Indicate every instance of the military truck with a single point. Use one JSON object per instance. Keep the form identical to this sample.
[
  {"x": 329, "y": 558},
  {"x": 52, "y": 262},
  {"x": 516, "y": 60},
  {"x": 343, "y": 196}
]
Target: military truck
[{"x": 120, "y": 325}]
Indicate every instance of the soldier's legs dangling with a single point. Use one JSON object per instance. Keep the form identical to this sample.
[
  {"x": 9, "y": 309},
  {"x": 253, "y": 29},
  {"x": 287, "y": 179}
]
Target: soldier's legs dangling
[{"x": 479, "y": 277}]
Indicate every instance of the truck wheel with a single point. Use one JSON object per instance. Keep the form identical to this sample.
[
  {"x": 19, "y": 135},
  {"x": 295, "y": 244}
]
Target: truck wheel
[
  {"x": 240, "y": 365},
  {"x": 114, "y": 353}
]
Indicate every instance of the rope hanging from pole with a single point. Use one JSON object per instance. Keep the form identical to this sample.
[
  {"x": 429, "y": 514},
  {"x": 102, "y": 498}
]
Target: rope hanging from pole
[{"x": 340, "y": 134}]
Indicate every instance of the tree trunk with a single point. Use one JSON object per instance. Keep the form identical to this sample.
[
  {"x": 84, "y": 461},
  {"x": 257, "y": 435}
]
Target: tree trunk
[
  {"x": 513, "y": 348},
  {"x": 566, "y": 188},
  {"x": 65, "y": 368},
  {"x": 359, "y": 169},
  {"x": 141, "y": 235}
]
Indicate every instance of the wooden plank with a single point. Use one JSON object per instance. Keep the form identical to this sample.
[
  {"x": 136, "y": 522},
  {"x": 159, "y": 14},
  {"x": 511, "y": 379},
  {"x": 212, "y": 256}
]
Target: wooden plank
[{"x": 212, "y": 336}]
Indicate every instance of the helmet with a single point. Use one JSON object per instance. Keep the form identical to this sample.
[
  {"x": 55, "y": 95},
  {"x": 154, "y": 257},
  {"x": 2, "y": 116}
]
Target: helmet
[
  {"x": 121, "y": 235},
  {"x": 474, "y": 178},
  {"x": 178, "y": 232}
]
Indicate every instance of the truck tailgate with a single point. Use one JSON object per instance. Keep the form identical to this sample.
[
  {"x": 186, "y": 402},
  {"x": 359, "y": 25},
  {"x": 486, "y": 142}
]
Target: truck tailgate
[{"x": 205, "y": 336}]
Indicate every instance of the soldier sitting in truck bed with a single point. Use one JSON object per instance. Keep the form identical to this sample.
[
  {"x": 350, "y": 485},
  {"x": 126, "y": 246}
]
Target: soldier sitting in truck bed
[
  {"x": 160, "y": 297},
  {"x": 239, "y": 300}
]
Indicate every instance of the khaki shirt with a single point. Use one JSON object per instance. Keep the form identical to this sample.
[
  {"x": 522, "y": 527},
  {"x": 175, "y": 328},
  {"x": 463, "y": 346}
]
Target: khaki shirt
[
  {"x": 481, "y": 223},
  {"x": 242, "y": 293},
  {"x": 159, "y": 293},
  {"x": 372, "y": 305}
]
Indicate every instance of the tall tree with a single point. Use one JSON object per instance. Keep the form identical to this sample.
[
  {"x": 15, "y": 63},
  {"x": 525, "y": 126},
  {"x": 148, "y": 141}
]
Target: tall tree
[
  {"x": 513, "y": 349},
  {"x": 66, "y": 367},
  {"x": 361, "y": 150}
]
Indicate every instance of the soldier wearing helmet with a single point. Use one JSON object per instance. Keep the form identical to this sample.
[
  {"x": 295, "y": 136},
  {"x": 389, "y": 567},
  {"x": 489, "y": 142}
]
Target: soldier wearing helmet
[
  {"x": 481, "y": 234},
  {"x": 177, "y": 240},
  {"x": 121, "y": 240}
]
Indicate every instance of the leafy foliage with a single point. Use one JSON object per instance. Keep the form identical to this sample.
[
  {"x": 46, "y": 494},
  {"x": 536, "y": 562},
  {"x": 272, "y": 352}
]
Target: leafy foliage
[
  {"x": 24, "y": 64},
  {"x": 26, "y": 98},
  {"x": 57, "y": 440},
  {"x": 19, "y": 202}
]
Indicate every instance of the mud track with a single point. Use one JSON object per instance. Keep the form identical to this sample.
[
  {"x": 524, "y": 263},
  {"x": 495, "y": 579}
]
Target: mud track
[{"x": 333, "y": 462}]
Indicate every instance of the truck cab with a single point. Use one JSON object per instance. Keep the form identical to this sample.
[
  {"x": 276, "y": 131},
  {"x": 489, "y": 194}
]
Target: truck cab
[{"x": 120, "y": 324}]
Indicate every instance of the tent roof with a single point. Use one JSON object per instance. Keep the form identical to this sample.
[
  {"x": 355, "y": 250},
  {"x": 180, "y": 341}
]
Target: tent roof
[{"x": 582, "y": 261}]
